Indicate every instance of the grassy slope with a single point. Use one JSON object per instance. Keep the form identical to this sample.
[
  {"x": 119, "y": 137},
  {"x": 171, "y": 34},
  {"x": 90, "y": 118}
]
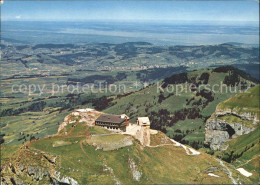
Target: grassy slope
[
  {"x": 244, "y": 102},
  {"x": 243, "y": 151},
  {"x": 7, "y": 151},
  {"x": 38, "y": 124},
  {"x": 159, "y": 165},
  {"x": 145, "y": 101}
]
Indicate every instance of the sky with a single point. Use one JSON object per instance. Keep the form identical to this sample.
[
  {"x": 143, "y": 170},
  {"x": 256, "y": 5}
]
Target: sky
[{"x": 130, "y": 10}]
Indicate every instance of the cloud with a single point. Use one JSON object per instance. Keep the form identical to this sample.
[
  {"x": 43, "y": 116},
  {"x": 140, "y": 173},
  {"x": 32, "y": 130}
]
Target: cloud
[{"x": 18, "y": 17}]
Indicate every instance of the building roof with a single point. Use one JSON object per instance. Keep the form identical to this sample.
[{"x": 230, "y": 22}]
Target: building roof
[
  {"x": 109, "y": 118},
  {"x": 143, "y": 120}
]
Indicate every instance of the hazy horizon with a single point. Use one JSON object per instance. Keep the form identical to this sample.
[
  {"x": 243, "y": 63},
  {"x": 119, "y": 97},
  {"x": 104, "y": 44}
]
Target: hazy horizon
[
  {"x": 157, "y": 22},
  {"x": 130, "y": 10},
  {"x": 174, "y": 33}
]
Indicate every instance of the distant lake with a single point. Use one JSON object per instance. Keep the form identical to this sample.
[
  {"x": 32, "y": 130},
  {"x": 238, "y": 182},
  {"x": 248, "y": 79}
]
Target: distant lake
[{"x": 171, "y": 33}]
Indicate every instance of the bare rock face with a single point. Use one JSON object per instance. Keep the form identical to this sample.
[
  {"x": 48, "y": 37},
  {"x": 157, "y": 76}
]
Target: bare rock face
[
  {"x": 37, "y": 172},
  {"x": 12, "y": 173},
  {"x": 134, "y": 170},
  {"x": 28, "y": 172},
  {"x": 243, "y": 115},
  {"x": 218, "y": 131},
  {"x": 57, "y": 179}
]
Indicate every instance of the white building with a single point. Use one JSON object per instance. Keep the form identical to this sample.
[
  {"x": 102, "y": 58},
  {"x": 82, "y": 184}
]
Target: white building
[{"x": 143, "y": 121}]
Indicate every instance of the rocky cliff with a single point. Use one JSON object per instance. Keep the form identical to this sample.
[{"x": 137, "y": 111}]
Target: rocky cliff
[
  {"x": 218, "y": 130},
  {"x": 23, "y": 169},
  {"x": 234, "y": 117}
]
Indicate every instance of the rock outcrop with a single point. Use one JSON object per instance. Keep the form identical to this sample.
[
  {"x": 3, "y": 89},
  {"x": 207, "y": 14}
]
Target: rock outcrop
[
  {"x": 34, "y": 175},
  {"x": 13, "y": 174},
  {"x": 242, "y": 114},
  {"x": 88, "y": 117},
  {"x": 58, "y": 179},
  {"x": 137, "y": 174},
  {"x": 218, "y": 130},
  {"x": 44, "y": 172}
]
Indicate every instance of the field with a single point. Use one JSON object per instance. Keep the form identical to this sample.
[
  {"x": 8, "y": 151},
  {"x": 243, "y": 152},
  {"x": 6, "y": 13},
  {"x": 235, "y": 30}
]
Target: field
[
  {"x": 75, "y": 158},
  {"x": 36, "y": 111},
  {"x": 240, "y": 101}
]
